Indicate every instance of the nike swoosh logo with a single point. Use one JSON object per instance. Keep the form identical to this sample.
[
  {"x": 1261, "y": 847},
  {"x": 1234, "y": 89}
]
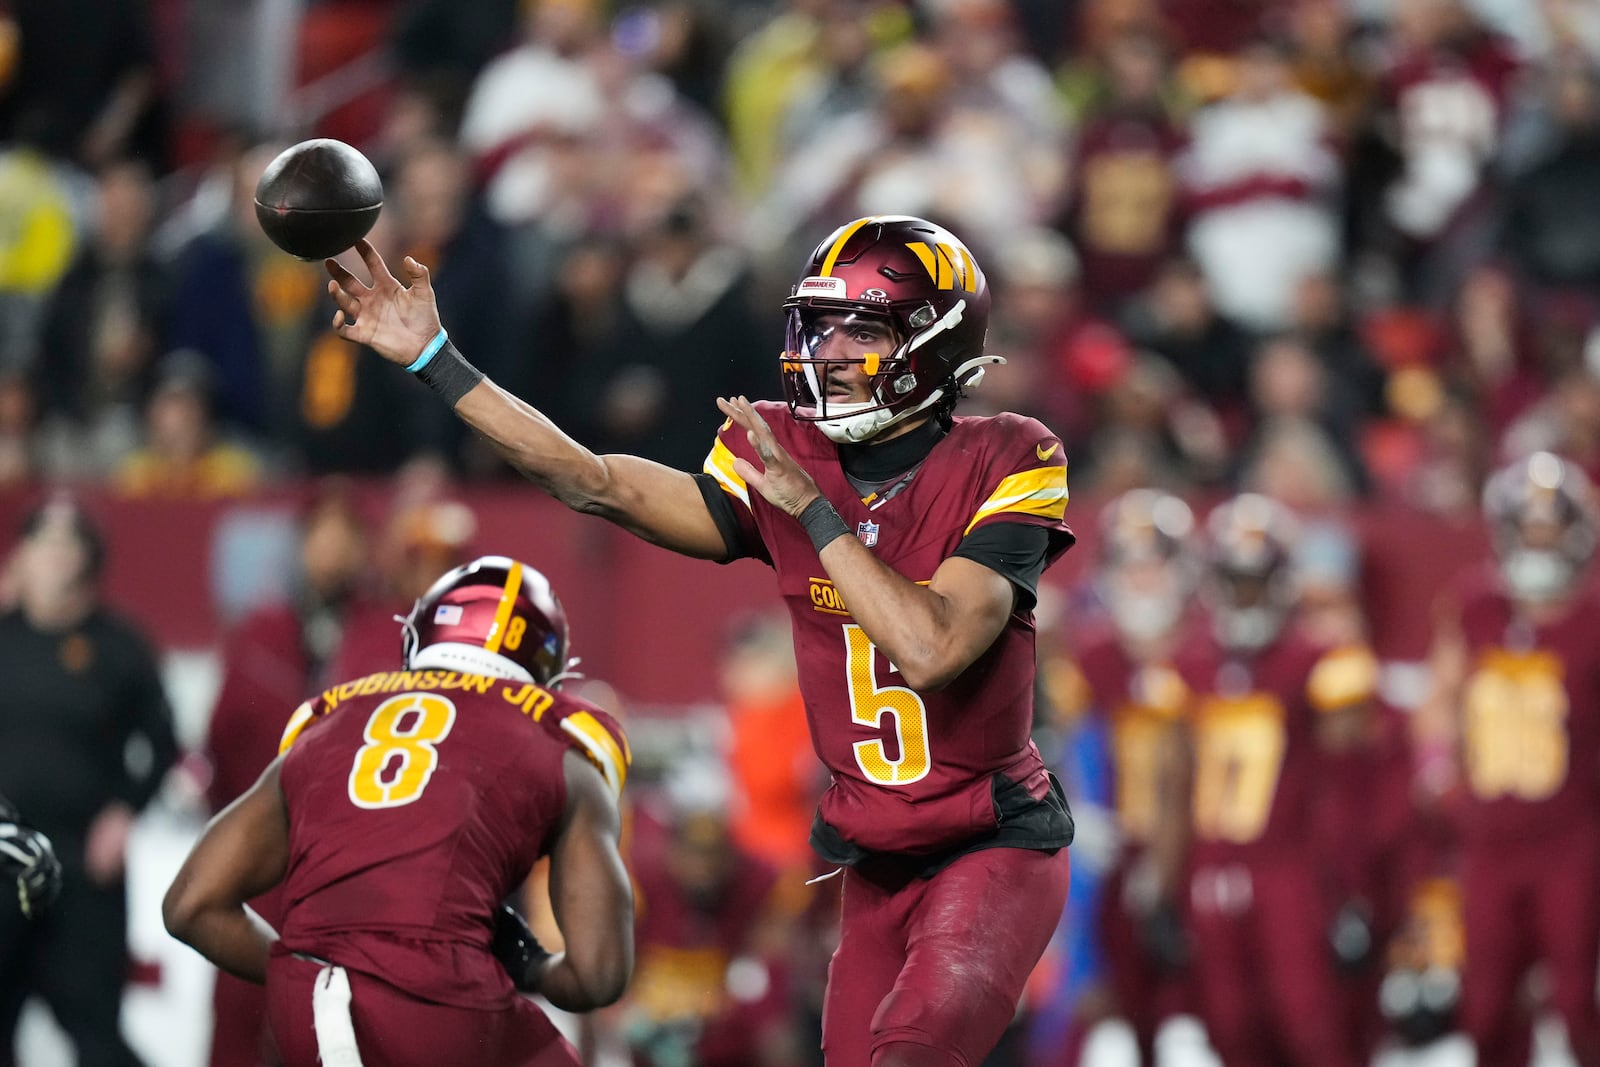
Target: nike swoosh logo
[{"x": 1045, "y": 453}]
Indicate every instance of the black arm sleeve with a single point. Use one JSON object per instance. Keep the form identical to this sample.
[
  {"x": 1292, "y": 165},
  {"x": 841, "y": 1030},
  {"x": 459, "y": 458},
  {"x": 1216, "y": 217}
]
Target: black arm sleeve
[
  {"x": 1015, "y": 550},
  {"x": 722, "y": 513}
]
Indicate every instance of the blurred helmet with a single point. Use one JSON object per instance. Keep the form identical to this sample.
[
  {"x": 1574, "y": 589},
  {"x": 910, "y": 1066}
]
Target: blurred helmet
[
  {"x": 1146, "y": 569},
  {"x": 1541, "y": 515},
  {"x": 1251, "y": 588},
  {"x": 922, "y": 281},
  {"x": 492, "y": 616}
]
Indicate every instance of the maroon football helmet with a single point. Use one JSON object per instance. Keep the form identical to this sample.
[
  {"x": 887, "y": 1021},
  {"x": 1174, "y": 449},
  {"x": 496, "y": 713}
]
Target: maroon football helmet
[
  {"x": 919, "y": 278},
  {"x": 1542, "y": 516},
  {"x": 491, "y": 616},
  {"x": 1147, "y": 569},
  {"x": 1252, "y": 539}
]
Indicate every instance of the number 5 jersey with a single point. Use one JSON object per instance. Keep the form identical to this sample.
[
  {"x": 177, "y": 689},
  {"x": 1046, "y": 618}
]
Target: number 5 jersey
[{"x": 927, "y": 773}]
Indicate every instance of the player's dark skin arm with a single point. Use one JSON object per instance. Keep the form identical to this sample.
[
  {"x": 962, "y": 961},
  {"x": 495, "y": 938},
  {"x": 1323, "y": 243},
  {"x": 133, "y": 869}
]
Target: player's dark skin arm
[
  {"x": 243, "y": 852},
  {"x": 654, "y": 502},
  {"x": 931, "y": 633},
  {"x": 591, "y": 897}
]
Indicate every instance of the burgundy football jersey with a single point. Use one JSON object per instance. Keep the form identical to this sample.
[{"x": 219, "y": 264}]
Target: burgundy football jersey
[
  {"x": 418, "y": 801},
  {"x": 1530, "y": 717},
  {"x": 912, "y": 772},
  {"x": 1256, "y": 760},
  {"x": 1139, "y": 704}
]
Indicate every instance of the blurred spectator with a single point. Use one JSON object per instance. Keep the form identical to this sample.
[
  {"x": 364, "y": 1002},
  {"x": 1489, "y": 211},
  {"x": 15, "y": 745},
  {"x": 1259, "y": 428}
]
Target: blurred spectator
[
  {"x": 244, "y": 304},
  {"x": 184, "y": 453},
  {"x": 1496, "y": 352},
  {"x": 1455, "y": 454},
  {"x": 921, "y": 151},
  {"x": 436, "y": 218},
  {"x": 19, "y": 458},
  {"x": 1260, "y": 179},
  {"x": 1299, "y": 423},
  {"x": 528, "y": 105},
  {"x": 776, "y": 776},
  {"x": 1321, "y": 320},
  {"x": 1124, "y": 209},
  {"x": 1036, "y": 305},
  {"x": 85, "y": 742},
  {"x": 1552, "y": 219},
  {"x": 273, "y": 659},
  {"x": 686, "y": 42},
  {"x": 842, "y": 82},
  {"x": 788, "y": 60},
  {"x": 1177, "y": 320},
  {"x": 38, "y": 236},
  {"x": 1151, "y": 433},
  {"x": 102, "y": 327},
  {"x": 448, "y": 43},
  {"x": 86, "y": 75},
  {"x": 710, "y": 986},
  {"x": 1326, "y": 63},
  {"x": 425, "y": 536},
  {"x": 684, "y": 324},
  {"x": 1442, "y": 104}
]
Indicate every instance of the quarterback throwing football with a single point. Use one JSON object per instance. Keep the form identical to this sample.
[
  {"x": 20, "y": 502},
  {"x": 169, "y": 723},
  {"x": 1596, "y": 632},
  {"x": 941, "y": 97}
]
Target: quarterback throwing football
[{"x": 908, "y": 544}]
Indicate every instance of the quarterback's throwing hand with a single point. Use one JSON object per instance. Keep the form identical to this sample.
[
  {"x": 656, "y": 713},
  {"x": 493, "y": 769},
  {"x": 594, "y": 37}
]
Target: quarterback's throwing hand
[
  {"x": 783, "y": 482},
  {"x": 27, "y": 856},
  {"x": 396, "y": 321}
]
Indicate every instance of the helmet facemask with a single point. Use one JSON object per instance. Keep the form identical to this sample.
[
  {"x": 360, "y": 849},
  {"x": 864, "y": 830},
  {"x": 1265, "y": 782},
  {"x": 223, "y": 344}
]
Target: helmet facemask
[{"x": 825, "y": 341}]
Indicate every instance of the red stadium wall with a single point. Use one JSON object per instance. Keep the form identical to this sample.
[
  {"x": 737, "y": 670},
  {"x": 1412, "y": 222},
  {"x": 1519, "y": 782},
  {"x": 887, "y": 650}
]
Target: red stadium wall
[{"x": 652, "y": 623}]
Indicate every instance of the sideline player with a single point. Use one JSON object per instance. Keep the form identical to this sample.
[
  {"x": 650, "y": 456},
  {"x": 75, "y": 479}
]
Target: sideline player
[
  {"x": 405, "y": 806},
  {"x": 1268, "y": 703},
  {"x": 1517, "y": 673},
  {"x": 908, "y": 543}
]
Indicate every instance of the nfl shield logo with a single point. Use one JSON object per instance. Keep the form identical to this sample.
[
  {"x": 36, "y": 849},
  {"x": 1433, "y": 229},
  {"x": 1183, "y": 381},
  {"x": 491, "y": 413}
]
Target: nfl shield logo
[{"x": 868, "y": 532}]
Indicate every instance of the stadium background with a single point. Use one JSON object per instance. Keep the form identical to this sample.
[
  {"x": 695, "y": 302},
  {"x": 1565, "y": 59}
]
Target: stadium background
[{"x": 1343, "y": 251}]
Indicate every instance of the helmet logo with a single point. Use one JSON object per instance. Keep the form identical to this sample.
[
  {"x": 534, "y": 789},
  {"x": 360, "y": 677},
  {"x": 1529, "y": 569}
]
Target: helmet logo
[
  {"x": 815, "y": 286},
  {"x": 947, "y": 264},
  {"x": 875, "y": 294}
]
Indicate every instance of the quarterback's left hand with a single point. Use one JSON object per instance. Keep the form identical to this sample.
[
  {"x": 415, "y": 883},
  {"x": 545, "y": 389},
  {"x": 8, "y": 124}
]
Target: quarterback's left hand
[
  {"x": 27, "y": 855},
  {"x": 784, "y": 482}
]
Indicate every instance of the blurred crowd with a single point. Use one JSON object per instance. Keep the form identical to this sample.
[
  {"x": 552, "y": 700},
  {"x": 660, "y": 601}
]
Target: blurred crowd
[{"x": 1329, "y": 249}]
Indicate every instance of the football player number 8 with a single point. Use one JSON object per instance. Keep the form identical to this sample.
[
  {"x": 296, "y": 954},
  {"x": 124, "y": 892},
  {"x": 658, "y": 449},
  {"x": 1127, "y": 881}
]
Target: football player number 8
[
  {"x": 393, "y": 767},
  {"x": 869, "y": 704}
]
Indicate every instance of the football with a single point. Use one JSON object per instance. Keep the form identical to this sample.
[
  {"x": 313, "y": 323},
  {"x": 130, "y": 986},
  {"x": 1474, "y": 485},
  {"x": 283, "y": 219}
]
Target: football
[{"x": 317, "y": 198}]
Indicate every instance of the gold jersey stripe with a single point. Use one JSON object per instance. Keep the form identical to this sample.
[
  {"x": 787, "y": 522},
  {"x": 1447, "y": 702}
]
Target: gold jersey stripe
[
  {"x": 297, "y": 722},
  {"x": 502, "y": 615},
  {"x": 838, "y": 246},
  {"x": 1041, "y": 492},
  {"x": 719, "y": 464},
  {"x": 600, "y": 746}
]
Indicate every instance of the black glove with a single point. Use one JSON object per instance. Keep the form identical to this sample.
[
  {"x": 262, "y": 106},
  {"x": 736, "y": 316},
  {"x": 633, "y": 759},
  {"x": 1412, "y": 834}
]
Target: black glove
[
  {"x": 518, "y": 951},
  {"x": 27, "y": 856}
]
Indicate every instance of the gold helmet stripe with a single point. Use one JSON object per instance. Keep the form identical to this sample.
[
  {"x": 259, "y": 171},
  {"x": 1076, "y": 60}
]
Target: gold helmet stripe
[
  {"x": 838, "y": 245},
  {"x": 502, "y": 615}
]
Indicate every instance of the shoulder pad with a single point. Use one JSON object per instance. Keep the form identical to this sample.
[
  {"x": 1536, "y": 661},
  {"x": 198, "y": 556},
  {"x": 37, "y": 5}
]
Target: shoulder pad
[{"x": 599, "y": 736}]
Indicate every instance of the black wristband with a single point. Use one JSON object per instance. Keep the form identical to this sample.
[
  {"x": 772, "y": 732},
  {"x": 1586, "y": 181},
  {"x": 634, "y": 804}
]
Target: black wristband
[
  {"x": 449, "y": 374},
  {"x": 822, "y": 523}
]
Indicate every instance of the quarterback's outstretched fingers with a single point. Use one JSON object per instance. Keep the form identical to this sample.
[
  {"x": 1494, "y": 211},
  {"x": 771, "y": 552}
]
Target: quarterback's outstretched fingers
[
  {"x": 375, "y": 264},
  {"x": 348, "y": 302},
  {"x": 342, "y": 277}
]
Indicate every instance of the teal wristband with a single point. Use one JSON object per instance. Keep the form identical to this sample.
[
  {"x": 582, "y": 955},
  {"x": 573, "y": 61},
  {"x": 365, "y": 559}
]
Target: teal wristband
[{"x": 428, "y": 353}]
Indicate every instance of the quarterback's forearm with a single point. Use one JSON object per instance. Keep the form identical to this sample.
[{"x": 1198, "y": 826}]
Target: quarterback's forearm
[
  {"x": 929, "y": 636},
  {"x": 654, "y": 502}
]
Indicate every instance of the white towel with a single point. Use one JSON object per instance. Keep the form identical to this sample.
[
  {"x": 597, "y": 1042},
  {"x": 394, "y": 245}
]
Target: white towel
[{"x": 330, "y": 1013}]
